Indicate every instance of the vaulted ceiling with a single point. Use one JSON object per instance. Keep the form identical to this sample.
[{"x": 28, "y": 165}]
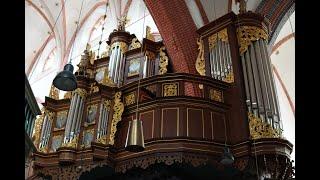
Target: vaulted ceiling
[{"x": 51, "y": 39}]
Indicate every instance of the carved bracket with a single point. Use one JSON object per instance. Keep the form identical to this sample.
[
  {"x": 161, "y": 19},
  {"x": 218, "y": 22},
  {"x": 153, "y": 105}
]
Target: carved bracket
[{"x": 247, "y": 34}]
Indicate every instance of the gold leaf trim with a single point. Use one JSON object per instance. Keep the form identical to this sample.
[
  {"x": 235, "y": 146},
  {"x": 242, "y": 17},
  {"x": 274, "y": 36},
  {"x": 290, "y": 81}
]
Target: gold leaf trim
[
  {"x": 118, "y": 110},
  {"x": 164, "y": 60},
  {"x": 229, "y": 78},
  {"x": 221, "y": 35},
  {"x": 247, "y": 34},
  {"x": 260, "y": 129},
  {"x": 135, "y": 44},
  {"x": 81, "y": 92},
  {"x": 129, "y": 99},
  {"x": 200, "y": 63}
]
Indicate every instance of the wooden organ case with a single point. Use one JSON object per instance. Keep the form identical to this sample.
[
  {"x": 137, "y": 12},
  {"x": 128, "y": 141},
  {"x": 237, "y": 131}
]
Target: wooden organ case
[{"x": 237, "y": 107}]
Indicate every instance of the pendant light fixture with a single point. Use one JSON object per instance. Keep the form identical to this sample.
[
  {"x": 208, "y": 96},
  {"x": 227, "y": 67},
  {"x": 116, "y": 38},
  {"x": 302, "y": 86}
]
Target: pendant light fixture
[
  {"x": 135, "y": 138},
  {"x": 66, "y": 80}
]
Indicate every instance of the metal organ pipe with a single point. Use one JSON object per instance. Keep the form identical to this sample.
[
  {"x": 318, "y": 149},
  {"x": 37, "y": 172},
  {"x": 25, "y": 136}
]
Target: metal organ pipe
[
  {"x": 80, "y": 112},
  {"x": 99, "y": 122},
  {"x": 73, "y": 119}
]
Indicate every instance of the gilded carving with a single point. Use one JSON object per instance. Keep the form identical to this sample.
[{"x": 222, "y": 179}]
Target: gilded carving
[
  {"x": 221, "y": 35},
  {"x": 37, "y": 128},
  {"x": 200, "y": 63},
  {"x": 168, "y": 159},
  {"x": 164, "y": 61},
  {"x": 102, "y": 139},
  {"x": 216, "y": 95},
  {"x": 118, "y": 110},
  {"x": 73, "y": 143},
  {"x": 106, "y": 79},
  {"x": 54, "y": 92},
  {"x": 229, "y": 78},
  {"x": 247, "y": 34},
  {"x": 260, "y": 129},
  {"x": 67, "y": 95},
  {"x": 81, "y": 92},
  {"x": 129, "y": 99},
  {"x": 123, "y": 47},
  {"x": 107, "y": 104},
  {"x": 135, "y": 44},
  {"x": 149, "y": 34},
  {"x": 170, "y": 89}
]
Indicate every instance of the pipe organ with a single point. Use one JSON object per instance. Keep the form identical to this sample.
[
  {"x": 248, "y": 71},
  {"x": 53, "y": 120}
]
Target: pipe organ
[{"x": 237, "y": 109}]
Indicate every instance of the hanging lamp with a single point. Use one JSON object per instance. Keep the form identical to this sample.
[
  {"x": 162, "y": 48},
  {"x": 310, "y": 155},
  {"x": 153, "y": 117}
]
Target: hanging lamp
[
  {"x": 135, "y": 138},
  {"x": 66, "y": 80}
]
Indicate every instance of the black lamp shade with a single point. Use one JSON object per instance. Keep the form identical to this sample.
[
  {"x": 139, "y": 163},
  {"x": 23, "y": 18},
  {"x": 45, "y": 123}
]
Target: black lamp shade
[
  {"x": 65, "y": 80},
  {"x": 227, "y": 157}
]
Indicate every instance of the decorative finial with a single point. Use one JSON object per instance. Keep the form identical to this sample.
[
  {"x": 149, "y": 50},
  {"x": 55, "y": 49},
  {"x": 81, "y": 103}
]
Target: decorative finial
[
  {"x": 122, "y": 22},
  {"x": 242, "y": 6},
  {"x": 148, "y": 34}
]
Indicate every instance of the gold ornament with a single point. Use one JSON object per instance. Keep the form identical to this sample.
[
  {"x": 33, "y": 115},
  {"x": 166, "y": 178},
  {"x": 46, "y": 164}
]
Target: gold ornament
[
  {"x": 81, "y": 92},
  {"x": 164, "y": 61},
  {"x": 200, "y": 63},
  {"x": 123, "y": 47},
  {"x": 170, "y": 89},
  {"x": 135, "y": 44},
  {"x": 229, "y": 78},
  {"x": 54, "y": 92},
  {"x": 129, "y": 99},
  {"x": 149, "y": 35},
  {"x": 73, "y": 143},
  {"x": 38, "y": 128},
  {"x": 106, "y": 80},
  {"x": 102, "y": 139},
  {"x": 260, "y": 129},
  {"x": 221, "y": 35},
  {"x": 247, "y": 34},
  {"x": 215, "y": 95},
  {"x": 107, "y": 104},
  {"x": 67, "y": 95},
  {"x": 118, "y": 110}
]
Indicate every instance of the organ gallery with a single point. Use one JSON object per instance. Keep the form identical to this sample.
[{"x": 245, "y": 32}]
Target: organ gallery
[{"x": 133, "y": 116}]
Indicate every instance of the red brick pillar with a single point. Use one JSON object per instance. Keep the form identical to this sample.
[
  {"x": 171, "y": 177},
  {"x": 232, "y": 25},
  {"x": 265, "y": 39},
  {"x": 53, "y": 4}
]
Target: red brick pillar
[{"x": 178, "y": 31}]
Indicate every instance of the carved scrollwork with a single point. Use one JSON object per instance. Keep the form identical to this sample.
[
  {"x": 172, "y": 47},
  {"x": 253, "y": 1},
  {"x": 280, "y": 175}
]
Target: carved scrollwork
[
  {"x": 107, "y": 104},
  {"x": 200, "y": 63},
  {"x": 135, "y": 44},
  {"x": 54, "y": 92},
  {"x": 73, "y": 143},
  {"x": 170, "y": 89},
  {"x": 168, "y": 159},
  {"x": 38, "y": 126},
  {"x": 129, "y": 99},
  {"x": 260, "y": 129},
  {"x": 216, "y": 95},
  {"x": 118, "y": 110},
  {"x": 68, "y": 95},
  {"x": 221, "y": 35},
  {"x": 102, "y": 139},
  {"x": 81, "y": 92},
  {"x": 164, "y": 61},
  {"x": 247, "y": 34},
  {"x": 229, "y": 78}
]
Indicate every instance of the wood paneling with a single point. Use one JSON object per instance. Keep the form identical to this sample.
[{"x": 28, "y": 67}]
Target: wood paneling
[
  {"x": 218, "y": 126},
  {"x": 195, "y": 122},
  {"x": 147, "y": 119},
  {"x": 169, "y": 121}
]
